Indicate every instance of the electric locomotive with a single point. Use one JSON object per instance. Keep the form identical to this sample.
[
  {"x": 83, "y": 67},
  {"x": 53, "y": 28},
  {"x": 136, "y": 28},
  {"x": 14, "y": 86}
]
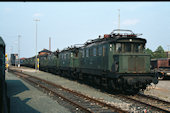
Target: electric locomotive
[{"x": 116, "y": 61}]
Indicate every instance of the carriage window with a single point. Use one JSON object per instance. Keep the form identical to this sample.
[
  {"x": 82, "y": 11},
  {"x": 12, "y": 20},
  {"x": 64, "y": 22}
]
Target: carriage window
[
  {"x": 62, "y": 56},
  {"x": 76, "y": 54},
  {"x": 118, "y": 47},
  {"x": 94, "y": 51},
  {"x": 83, "y": 53},
  {"x": 91, "y": 52},
  {"x": 87, "y": 52},
  {"x": 100, "y": 50},
  {"x": 66, "y": 56},
  {"x": 71, "y": 55}
]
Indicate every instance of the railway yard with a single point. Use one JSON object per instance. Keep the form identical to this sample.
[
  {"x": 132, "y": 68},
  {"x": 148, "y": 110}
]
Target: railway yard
[
  {"x": 85, "y": 57},
  {"x": 32, "y": 91},
  {"x": 111, "y": 74}
]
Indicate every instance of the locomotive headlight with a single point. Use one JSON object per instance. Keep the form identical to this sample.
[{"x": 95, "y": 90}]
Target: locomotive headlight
[
  {"x": 130, "y": 40},
  {"x": 110, "y": 47}
]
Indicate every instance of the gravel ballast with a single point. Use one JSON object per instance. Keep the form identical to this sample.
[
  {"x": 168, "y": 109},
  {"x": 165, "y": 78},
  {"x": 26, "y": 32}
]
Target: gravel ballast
[
  {"x": 25, "y": 98},
  {"x": 85, "y": 89},
  {"x": 161, "y": 90}
]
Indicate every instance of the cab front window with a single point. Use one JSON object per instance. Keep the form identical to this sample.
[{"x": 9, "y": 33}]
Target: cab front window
[
  {"x": 129, "y": 47},
  {"x": 137, "y": 47}
]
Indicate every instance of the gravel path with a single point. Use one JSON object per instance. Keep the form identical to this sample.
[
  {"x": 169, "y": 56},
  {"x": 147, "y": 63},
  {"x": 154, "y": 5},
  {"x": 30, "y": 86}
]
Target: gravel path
[
  {"x": 161, "y": 90},
  {"x": 27, "y": 99}
]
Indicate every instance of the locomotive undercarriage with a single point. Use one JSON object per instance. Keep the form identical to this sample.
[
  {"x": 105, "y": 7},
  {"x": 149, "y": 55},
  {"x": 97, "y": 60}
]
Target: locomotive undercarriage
[
  {"x": 128, "y": 84},
  {"x": 132, "y": 84},
  {"x": 122, "y": 84}
]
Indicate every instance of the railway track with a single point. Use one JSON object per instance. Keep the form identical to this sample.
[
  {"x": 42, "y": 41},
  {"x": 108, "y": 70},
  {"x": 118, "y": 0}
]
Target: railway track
[
  {"x": 150, "y": 102},
  {"x": 81, "y": 101}
]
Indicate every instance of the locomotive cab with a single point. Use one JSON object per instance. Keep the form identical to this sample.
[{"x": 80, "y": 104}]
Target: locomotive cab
[
  {"x": 129, "y": 56},
  {"x": 129, "y": 63}
]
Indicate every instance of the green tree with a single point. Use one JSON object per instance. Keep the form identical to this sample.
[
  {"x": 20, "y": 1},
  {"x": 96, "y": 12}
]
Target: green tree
[
  {"x": 149, "y": 51},
  {"x": 159, "y": 53}
]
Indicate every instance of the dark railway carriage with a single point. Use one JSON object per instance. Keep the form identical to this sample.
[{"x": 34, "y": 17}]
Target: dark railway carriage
[
  {"x": 29, "y": 62},
  {"x": 4, "y": 100},
  {"x": 68, "y": 62},
  {"x": 162, "y": 67},
  {"x": 43, "y": 61},
  {"x": 52, "y": 62}
]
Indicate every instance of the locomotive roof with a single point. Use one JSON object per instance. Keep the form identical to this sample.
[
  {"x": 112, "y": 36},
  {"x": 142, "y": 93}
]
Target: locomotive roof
[
  {"x": 74, "y": 48},
  {"x": 115, "y": 37}
]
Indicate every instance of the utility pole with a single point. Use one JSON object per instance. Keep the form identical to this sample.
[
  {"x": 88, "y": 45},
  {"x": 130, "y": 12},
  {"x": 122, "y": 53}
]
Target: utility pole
[
  {"x": 168, "y": 51},
  {"x": 19, "y": 50},
  {"x": 16, "y": 56},
  {"x": 36, "y": 20},
  {"x": 49, "y": 43},
  {"x": 119, "y": 19},
  {"x": 10, "y": 55}
]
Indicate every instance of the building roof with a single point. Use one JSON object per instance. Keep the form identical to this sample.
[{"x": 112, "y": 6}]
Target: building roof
[
  {"x": 22, "y": 58},
  {"x": 45, "y": 50}
]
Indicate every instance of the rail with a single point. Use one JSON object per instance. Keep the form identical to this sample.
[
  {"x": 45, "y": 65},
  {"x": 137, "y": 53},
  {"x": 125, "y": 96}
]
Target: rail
[{"x": 84, "y": 103}]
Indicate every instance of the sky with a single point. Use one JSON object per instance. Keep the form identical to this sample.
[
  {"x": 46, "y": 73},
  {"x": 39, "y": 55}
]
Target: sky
[{"x": 69, "y": 23}]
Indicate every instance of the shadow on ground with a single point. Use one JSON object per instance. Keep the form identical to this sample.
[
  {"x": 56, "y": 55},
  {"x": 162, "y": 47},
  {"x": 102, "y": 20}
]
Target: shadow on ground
[{"x": 17, "y": 105}]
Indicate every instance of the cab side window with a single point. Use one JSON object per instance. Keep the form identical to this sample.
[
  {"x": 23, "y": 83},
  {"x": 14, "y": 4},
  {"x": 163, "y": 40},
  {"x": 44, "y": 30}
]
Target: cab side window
[
  {"x": 91, "y": 51},
  {"x": 118, "y": 47},
  {"x": 83, "y": 53},
  {"x": 94, "y": 51},
  {"x": 100, "y": 50},
  {"x": 87, "y": 52}
]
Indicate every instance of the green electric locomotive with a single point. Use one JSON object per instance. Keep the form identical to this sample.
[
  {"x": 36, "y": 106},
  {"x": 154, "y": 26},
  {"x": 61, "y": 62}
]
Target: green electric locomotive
[{"x": 116, "y": 61}]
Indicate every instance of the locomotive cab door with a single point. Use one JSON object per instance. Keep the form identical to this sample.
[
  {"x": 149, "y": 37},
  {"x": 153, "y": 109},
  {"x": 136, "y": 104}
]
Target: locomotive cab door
[{"x": 104, "y": 58}]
